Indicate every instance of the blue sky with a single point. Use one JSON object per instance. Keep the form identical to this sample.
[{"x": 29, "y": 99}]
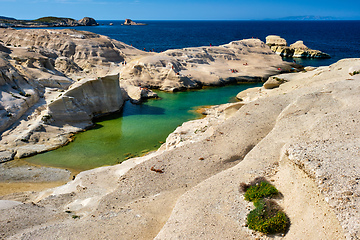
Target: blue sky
[{"x": 178, "y": 10}]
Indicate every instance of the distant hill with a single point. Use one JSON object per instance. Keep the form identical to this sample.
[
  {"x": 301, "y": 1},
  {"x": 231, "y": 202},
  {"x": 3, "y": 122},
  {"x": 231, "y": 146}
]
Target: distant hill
[
  {"x": 53, "y": 19},
  {"x": 47, "y": 22},
  {"x": 7, "y": 18},
  {"x": 307, "y": 17}
]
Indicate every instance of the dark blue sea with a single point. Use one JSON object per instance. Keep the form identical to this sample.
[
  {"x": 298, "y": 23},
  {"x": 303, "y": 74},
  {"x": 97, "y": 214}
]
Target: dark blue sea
[
  {"x": 140, "y": 128},
  {"x": 340, "y": 39}
]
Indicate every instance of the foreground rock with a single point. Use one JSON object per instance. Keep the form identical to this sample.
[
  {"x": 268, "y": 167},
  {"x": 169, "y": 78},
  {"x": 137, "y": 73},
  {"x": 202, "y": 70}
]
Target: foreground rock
[
  {"x": 296, "y": 50},
  {"x": 302, "y": 136}
]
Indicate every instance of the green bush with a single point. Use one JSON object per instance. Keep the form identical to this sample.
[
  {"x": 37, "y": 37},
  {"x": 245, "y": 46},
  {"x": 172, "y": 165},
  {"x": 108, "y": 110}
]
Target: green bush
[
  {"x": 260, "y": 191},
  {"x": 260, "y": 219},
  {"x": 267, "y": 217},
  {"x": 354, "y": 73}
]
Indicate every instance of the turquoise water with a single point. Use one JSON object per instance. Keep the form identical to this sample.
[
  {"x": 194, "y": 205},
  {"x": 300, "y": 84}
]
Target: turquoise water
[{"x": 135, "y": 131}]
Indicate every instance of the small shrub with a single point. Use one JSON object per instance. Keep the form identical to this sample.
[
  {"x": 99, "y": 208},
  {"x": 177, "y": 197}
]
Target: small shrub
[
  {"x": 46, "y": 118},
  {"x": 260, "y": 191},
  {"x": 262, "y": 219},
  {"x": 354, "y": 73},
  {"x": 267, "y": 217}
]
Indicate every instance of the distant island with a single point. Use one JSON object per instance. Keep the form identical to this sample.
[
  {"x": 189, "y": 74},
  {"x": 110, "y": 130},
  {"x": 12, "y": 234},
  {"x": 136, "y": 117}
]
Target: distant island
[
  {"x": 129, "y": 22},
  {"x": 305, "y": 18},
  {"x": 6, "y": 22}
]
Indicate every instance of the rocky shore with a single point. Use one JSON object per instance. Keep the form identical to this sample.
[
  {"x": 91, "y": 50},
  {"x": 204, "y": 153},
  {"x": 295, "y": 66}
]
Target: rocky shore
[{"x": 300, "y": 131}]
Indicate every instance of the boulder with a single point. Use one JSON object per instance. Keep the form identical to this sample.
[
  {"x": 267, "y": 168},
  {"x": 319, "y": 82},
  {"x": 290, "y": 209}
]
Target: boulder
[{"x": 273, "y": 82}]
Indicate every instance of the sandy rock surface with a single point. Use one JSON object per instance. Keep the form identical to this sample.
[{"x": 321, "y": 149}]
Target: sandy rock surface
[{"x": 301, "y": 136}]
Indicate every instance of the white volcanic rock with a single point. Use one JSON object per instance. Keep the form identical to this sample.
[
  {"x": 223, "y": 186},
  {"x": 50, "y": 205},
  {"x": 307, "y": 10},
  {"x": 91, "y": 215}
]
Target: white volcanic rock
[
  {"x": 36, "y": 69},
  {"x": 274, "y": 40},
  {"x": 87, "y": 99},
  {"x": 239, "y": 61},
  {"x": 297, "y": 49},
  {"x": 299, "y": 44},
  {"x": 94, "y": 54},
  {"x": 303, "y": 137},
  {"x": 137, "y": 93},
  {"x": 17, "y": 95}
]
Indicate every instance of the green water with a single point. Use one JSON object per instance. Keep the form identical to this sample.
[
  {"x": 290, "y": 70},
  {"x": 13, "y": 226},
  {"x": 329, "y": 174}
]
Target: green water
[{"x": 136, "y": 130}]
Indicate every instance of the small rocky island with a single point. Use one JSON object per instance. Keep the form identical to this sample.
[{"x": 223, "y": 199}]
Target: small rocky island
[
  {"x": 129, "y": 22},
  {"x": 6, "y": 22},
  {"x": 297, "y": 49}
]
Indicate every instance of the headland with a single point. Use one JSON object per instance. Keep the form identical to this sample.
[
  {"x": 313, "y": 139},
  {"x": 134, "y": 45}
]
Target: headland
[{"x": 46, "y": 22}]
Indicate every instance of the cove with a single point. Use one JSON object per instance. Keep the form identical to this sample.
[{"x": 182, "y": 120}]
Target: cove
[{"x": 136, "y": 130}]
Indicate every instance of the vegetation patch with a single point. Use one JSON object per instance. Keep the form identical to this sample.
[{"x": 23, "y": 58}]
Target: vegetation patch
[
  {"x": 354, "y": 73},
  {"x": 280, "y": 80},
  {"x": 52, "y": 19},
  {"x": 267, "y": 217},
  {"x": 260, "y": 191}
]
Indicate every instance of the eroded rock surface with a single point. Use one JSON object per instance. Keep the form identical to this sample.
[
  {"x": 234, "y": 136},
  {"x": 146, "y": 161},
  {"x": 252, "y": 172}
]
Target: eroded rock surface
[
  {"x": 296, "y": 50},
  {"x": 54, "y": 82},
  {"x": 302, "y": 136},
  {"x": 248, "y": 60}
]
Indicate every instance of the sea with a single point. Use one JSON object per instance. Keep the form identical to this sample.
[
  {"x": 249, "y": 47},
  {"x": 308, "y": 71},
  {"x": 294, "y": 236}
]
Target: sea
[
  {"x": 139, "y": 129},
  {"x": 340, "y": 39}
]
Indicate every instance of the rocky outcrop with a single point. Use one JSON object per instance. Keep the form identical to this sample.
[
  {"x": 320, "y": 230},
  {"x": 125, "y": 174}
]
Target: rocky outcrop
[
  {"x": 77, "y": 49},
  {"x": 87, "y": 99},
  {"x": 297, "y": 49},
  {"x": 248, "y": 60},
  {"x": 302, "y": 137},
  {"x": 273, "y": 40},
  {"x": 87, "y": 21},
  {"x": 37, "y": 67},
  {"x": 129, "y": 22}
]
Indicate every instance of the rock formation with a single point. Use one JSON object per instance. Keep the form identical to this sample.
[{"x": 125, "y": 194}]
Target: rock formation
[
  {"x": 302, "y": 136},
  {"x": 273, "y": 40},
  {"x": 297, "y": 49},
  {"x": 55, "y": 81},
  {"x": 38, "y": 109},
  {"x": 177, "y": 69},
  {"x": 87, "y": 21},
  {"x": 129, "y": 22},
  {"x": 87, "y": 99}
]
